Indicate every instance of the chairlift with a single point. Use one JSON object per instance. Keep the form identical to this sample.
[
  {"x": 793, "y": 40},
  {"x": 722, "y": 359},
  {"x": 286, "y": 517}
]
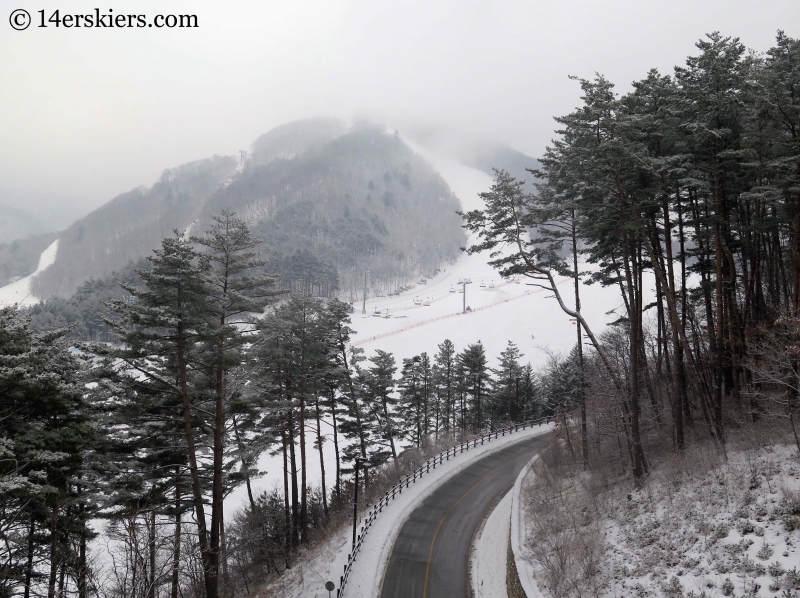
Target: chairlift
[
  {"x": 483, "y": 284},
  {"x": 460, "y": 289},
  {"x": 417, "y": 301},
  {"x": 427, "y": 302},
  {"x": 491, "y": 284},
  {"x": 452, "y": 289}
]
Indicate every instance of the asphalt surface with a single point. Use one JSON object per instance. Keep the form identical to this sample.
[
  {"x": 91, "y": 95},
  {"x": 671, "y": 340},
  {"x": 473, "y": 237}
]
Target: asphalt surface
[{"x": 430, "y": 558}]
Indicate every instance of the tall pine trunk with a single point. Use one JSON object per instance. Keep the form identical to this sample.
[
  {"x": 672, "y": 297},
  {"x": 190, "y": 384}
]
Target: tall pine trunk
[
  {"x": 176, "y": 548},
  {"x": 54, "y": 560},
  {"x": 208, "y": 557},
  {"x": 321, "y": 455}
]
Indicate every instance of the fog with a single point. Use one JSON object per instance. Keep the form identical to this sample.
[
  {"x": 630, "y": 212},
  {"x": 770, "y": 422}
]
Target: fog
[{"x": 88, "y": 113}]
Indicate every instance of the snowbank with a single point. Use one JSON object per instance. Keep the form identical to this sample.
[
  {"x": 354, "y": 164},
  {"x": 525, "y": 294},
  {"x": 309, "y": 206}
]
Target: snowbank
[
  {"x": 488, "y": 559},
  {"x": 525, "y": 569},
  {"x": 701, "y": 526},
  {"x": 722, "y": 529}
]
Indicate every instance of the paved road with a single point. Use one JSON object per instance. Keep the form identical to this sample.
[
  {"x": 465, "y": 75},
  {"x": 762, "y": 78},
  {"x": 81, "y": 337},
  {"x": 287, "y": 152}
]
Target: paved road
[{"x": 430, "y": 558}]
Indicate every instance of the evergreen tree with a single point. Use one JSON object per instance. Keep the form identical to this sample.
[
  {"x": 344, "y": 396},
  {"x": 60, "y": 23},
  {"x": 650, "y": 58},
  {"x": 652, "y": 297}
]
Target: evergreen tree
[
  {"x": 163, "y": 328},
  {"x": 445, "y": 383},
  {"x": 378, "y": 390},
  {"x": 45, "y": 438},
  {"x": 506, "y": 388},
  {"x": 475, "y": 374},
  {"x": 412, "y": 407}
]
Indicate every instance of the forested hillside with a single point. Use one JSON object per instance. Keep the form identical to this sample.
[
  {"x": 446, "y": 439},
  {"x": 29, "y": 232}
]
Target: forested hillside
[
  {"x": 683, "y": 194},
  {"x": 130, "y": 225},
  {"x": 329, "y": 204}
]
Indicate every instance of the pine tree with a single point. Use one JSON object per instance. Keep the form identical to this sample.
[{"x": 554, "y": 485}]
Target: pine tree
[
  {"x": 378, "y": 391},
  {"x": 445, "y": 383},
  {"x": 163, "y": 328},
  {"x": 235, "y": 292},
  {"x": 475, "y": 372},
  {"x": 45, "y": 437},
  {"x": 506, "y": 387},
  {"x": 412, "y": 400}
]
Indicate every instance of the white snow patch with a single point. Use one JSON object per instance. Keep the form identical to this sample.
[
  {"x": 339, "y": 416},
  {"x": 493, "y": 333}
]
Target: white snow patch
[
  {"x": 522, "y": 560},
  {"x": 19, "y": 292},
  {"x": 307, "y": 577},
  {"x": 705, "y": 527},
  {"x": 735, "y": 525},
  {"x": 490, "y": 553}
]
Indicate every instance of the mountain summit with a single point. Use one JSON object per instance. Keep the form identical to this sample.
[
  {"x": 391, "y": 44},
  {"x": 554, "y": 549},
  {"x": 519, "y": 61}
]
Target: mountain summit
[{"x": 329, "y": 202}]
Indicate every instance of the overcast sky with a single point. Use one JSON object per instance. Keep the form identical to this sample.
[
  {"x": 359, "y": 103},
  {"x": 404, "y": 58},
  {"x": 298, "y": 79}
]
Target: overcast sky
[{"x": 88, "y": 113}]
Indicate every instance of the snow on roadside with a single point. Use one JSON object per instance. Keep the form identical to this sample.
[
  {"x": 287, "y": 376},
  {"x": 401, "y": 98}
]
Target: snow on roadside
[
  {"x": 19, "y": 292},
  {"x": 703, "y": 527},
  {"x": 490, "y": 553},
  {"x": 307, "y": 577},
  {"x": 366, "y": 576},
  {"x": 733, "y": 530}
]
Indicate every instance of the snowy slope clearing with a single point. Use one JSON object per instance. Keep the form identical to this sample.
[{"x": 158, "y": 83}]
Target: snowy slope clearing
[
  {"x": 501, "y": 311},
  {"x": 508, "y": 311},
  {"x": 19, "y": 292}
]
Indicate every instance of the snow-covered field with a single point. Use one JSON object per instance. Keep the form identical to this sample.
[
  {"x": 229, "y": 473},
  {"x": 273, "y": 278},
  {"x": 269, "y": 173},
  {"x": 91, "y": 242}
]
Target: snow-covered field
[
  {"x": 730, "y": 531},
  {"x": 508, "y": 312},
  {"x": 19, "y": 292}
]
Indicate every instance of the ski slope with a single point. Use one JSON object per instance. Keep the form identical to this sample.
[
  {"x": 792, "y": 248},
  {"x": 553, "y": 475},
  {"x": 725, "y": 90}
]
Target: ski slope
[
  {"x": 509, "y": 311},
  {"x": 19, "y": 292}
]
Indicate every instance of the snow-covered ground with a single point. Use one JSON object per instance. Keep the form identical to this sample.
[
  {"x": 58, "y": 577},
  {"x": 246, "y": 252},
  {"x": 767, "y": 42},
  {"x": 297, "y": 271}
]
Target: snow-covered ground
[
  {"x": 509, "y": 311},
  {"x": 490, "y": 552},
  {"x": 19, "y": 292},
  {"x": 708, "y": 527},
  {"x": 730, "y": 531}
]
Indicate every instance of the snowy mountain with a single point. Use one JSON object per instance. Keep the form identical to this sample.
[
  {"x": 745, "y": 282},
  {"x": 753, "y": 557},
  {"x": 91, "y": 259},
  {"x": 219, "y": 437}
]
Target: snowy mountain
[{"x": 329, "y": 202}]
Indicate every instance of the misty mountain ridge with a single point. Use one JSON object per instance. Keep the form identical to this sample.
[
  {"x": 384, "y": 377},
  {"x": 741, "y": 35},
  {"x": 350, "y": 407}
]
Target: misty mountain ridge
[
  {"x": 18, "y": 224},
  {"x": 329, "y": 202},
  {"x": 473, "y": 151}
]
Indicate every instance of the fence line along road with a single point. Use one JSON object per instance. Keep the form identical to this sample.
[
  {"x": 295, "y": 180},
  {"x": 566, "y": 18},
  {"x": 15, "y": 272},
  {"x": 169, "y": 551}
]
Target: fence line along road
[{"x": 412, "y": 478}]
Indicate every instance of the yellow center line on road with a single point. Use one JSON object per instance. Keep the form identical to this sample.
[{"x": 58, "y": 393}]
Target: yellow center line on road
[{"x": 450, "y": 510}]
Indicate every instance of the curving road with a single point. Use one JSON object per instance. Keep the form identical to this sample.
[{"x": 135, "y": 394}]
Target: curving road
[{"x": 430, "y": 558}]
